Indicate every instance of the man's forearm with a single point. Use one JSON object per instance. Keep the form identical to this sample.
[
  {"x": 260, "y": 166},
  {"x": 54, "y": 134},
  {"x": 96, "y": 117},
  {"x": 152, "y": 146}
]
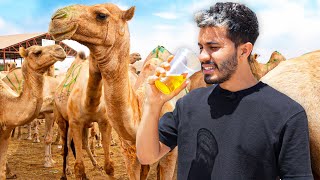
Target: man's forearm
[{"x": 148, "y": 147}]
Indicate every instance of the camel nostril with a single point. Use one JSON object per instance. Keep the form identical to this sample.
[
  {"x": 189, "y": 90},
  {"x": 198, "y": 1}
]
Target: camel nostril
[{"x": 59, "y": 14}]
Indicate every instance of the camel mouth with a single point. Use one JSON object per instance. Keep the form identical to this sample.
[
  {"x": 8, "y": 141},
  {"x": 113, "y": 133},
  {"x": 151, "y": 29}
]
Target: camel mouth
[
  {"x": 60, "y": 57},
  {"x": 65, "y": 33}
]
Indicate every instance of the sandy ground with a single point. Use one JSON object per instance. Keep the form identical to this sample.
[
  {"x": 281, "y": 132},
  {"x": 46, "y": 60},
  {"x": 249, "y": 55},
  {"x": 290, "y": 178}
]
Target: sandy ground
[{"x": 26, "y": 159}]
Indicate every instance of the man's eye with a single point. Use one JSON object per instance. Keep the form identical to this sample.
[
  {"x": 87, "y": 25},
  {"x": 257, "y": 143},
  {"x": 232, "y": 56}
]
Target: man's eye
[{"x": 215, "y": 48}]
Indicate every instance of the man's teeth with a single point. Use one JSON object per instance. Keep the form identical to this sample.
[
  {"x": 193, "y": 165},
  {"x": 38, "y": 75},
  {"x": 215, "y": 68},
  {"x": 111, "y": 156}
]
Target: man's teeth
[{"x": 208, "y": 68}]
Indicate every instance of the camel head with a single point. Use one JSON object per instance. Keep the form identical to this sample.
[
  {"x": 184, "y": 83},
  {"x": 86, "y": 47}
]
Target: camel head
[
  {"x": 275, "y": 59},
  {"x": 134, "y": 57},
  {"x": 96, "y": 25},
  {"x": 11, "y": 66},
  {"x": 40, "y": 58}
]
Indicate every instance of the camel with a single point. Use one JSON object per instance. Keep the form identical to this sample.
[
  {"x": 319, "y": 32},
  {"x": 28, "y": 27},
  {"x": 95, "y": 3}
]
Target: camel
[
  {"x": 134, "y": 57},
  {"x": 14, "y": 80},
  {"x": 299, "y": 78},
  {"x": 10, "y": 66},
  {"x": 258, "y": 70},
  {"x": 103, "y": 29},
  {"x": 78, "y": 91},
  {"x": 28, "y": 103},
  {"x": 2, "y": 75}
]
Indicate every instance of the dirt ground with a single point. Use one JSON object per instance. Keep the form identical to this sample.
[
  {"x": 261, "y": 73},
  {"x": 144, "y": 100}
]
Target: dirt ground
[{"x": 26, "y": 160}]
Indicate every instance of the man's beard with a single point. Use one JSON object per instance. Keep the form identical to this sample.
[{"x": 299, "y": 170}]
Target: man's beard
[{"x": 225, "y": 70}]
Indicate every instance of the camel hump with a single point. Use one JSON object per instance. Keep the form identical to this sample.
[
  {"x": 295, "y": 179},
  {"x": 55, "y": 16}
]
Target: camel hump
[{"x": 81, "y": 55}]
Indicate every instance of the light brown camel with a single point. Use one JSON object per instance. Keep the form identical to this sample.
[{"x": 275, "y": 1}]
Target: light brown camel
[
  {"x": 134, "y": 57},
  {"x": 14, "y": 80},
  {"x": 258, "y": 70},
  {"x": 103, "y": 29},
  {"x": 299, "y": 78},
  {"x": 20, "y": 109},
  {"x": 10, "y": 66},
  {"x": 2, "y": 75},
  {"x": 77, "y": 96}
]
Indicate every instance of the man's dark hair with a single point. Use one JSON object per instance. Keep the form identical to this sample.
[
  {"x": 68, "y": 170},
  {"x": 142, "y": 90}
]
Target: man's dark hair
[{"x": 240, "y": 21}]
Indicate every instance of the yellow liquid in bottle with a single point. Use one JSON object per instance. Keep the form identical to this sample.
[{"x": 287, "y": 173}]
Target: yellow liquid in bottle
[{"x": 168, "y": 84}]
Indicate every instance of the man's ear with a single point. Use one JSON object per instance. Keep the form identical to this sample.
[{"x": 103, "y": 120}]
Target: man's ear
[{"x": 245, "y": 50}]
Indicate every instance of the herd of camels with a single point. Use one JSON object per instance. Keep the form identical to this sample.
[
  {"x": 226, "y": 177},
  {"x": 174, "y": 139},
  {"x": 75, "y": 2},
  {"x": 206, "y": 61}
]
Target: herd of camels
[{"x": 106, "y": 89}]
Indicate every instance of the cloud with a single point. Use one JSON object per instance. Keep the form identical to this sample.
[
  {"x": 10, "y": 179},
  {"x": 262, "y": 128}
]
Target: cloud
[
  {"x": 166, "y": 15},
  {"x": 7, "y": 28},
  {"x": 289, "y": 28},
  {"x": 164, "y": 27}
]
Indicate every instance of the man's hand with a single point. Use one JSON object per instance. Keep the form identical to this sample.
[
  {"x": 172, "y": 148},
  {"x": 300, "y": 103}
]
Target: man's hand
[{"x": 154, "y": 95}]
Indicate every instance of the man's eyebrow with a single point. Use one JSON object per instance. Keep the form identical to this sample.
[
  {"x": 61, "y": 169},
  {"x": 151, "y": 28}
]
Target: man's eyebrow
[{"x": 209, "y": 43}]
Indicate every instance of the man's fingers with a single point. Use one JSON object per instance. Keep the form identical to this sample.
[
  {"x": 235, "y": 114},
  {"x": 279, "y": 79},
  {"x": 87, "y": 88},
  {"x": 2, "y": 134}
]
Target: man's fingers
[
  {"x": 160, "y": 72},
  {"x": 152, "y": 79},
  {"x": 165, "y": 65},
  {"x": 184, "y": 75},
  {"x": 170, "y": 58},
  {"x": 180, "y": 88}
]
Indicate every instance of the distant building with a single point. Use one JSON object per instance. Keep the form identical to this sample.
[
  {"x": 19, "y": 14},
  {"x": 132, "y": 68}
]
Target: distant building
[{"x": 9, "y": 46}]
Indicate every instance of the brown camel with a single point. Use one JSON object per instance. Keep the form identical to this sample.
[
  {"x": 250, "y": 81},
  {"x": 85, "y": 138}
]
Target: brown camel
[
  {"x": 134, "y": 57},
  {"x": 10, "y": 66},
  {"x": 79, "y": 96},
  {"x": 27, "y": 105},
  {"x": 260, "y": 69},
  {"x": 14, "y": 80},
  {"x": 103, "y": 29},
  {"x": 299, "y": 78}
]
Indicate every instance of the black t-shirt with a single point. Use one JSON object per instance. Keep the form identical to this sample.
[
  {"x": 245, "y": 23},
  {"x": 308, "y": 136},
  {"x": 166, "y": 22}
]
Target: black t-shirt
[{"x": 256, "y": 133}]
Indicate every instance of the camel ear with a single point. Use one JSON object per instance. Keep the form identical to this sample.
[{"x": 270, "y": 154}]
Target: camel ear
[
  {"x": 23, "y": 52},
  {"x": 128, "y": 14}
]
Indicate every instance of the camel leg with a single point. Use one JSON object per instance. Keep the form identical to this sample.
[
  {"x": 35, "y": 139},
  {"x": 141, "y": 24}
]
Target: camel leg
[
  {"x": 76, "y": 132},
  {"x": 167, "y": 165},
  {"x": 105, "y": 129},
  {"x": 91, "y": 139},
  {"x": 36, "y": 131},
  {"x": 86, "y": 147},
  {"x": 144, "y": 172},
  {"x": 133, "y": 165},
  {"x": 12, "y": 133},
  {"x": 4, "y": 142},
  {"x": 98, "y": 137},
  {"x": 57, "y": 141},
  {"x": 29, "y": 131},
  {"x": 49, "y": 120},
  {"x": 9, "y": 174},
  {"x": 19, "y": 133},
  {"x": 62, "y": 124}
]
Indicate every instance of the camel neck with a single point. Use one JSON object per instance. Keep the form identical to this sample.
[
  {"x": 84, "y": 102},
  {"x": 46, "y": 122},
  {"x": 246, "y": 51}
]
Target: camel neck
[
  {"x": 94, "y": 87},
  {"x": 33, "y": 83},
  {"x": 28, "y": 104},
  {"x": 119, "y": 96}
]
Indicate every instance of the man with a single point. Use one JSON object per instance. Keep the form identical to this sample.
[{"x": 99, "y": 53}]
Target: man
[{"x": 237, "y": 129}]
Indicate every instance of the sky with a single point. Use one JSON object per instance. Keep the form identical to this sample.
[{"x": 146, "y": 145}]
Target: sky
[{"x": 291, "y": 27}]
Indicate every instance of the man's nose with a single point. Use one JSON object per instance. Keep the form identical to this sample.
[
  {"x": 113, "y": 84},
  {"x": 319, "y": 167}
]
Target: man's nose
[{"x": 204, "y": 56}]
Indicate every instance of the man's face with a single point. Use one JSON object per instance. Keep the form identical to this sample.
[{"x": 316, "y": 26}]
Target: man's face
[{"x": 218, "y": 55}]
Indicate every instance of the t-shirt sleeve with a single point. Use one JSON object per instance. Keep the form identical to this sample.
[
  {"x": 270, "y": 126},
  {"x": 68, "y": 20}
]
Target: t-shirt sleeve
[
  {"x": 168, "y": 128},
  {"x": 294, "y": 158}
]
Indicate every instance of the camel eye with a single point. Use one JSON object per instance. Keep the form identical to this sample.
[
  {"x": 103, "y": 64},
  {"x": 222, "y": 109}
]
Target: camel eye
[
  {"x": 37, "y": 52},
  {"x": 101, "y": 16}
]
